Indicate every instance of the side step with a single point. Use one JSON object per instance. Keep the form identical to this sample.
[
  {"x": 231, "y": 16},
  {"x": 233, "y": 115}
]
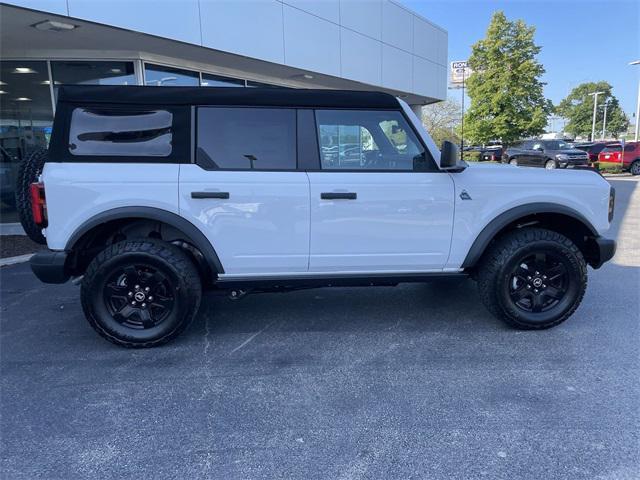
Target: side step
[{"x": 332, "y": 280}]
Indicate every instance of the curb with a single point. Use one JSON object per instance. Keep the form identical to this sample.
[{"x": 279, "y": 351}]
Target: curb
[{"x": 4, "y": 262}]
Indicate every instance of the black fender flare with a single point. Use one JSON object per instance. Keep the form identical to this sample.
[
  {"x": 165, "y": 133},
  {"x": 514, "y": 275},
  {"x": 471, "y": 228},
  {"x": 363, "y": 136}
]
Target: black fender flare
[
  {"x": 194, "y": 234},
  {"x": 489, "y": 232}
]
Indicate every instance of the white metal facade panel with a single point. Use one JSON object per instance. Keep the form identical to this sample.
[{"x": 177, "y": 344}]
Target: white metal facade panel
[
  {"x": 361, "y": 57},
  {"x": 310, "y": 42},
  {"x": 253, "y": 28},
  {"x": 396, "y": 69},
  {"x": 397, "y": 25},
  {"x": 363, "y": 16},
  {"x": 175, "y": 19}
]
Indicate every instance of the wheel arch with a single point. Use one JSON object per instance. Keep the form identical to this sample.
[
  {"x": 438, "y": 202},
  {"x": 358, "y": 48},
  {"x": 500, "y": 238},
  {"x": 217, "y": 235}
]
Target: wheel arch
[
  {"x": 559, "y": 218},
  {"x": 118, "y": 217}
]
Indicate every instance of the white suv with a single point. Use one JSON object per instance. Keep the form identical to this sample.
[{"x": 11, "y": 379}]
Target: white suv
[{"x": 150, "y": 194}]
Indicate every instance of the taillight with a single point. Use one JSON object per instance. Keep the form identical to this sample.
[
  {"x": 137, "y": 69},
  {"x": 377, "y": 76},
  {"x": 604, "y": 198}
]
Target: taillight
[{"x": 38, "y": 204}]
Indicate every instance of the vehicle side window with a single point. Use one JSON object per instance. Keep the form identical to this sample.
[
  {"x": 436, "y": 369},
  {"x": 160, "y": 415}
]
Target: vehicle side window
[
  {"x": 537, "y": 145},
  {"x": 368, "y": 140},
  {"x": 119, "y": 133},
  {"x": 246, "y": 138},
  {"x": 629, "y": 148}
]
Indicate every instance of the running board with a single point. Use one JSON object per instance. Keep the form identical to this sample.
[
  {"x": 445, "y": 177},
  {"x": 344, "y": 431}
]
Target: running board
[{"x": 337, "y": 280}]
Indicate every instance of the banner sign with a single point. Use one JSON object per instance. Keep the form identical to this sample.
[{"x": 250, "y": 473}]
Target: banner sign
[{"x": 460, "y": 72}]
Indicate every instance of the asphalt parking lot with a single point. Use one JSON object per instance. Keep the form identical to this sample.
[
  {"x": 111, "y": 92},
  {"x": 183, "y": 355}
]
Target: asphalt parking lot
[{"x": 417, "y": 381}]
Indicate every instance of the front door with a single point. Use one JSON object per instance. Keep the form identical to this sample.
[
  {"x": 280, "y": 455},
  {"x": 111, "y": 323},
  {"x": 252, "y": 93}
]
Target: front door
[
  {"x": 244, "y": 192},
  {"x": 377, "y": 203}
]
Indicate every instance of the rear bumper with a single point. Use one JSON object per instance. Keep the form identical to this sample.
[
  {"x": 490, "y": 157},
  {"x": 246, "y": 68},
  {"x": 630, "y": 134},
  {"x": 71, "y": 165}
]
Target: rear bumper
[
  {"x": 603, "y": 250},
  {"x": 49, "y": 266}
]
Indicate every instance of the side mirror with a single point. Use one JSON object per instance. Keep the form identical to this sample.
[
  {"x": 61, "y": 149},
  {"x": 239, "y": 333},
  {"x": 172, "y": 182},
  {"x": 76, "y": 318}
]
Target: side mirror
[{"x": 450, "y": 157}]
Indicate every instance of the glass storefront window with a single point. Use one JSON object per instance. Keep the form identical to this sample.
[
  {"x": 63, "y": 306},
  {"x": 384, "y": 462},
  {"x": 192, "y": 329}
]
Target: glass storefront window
[
  {"x": 251, "y": 83},
  {"x": 209, "y": 80},
  {"x": 92, "y": 73},
  {"x": 160, "y": 75},
  {"x": 26, "y": 116}
]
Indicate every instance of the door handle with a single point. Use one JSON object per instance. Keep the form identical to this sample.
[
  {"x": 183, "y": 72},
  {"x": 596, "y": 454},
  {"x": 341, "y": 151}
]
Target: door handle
[
  {"x": 223, "y": 195},
  {"x": 338, "y": 195}
]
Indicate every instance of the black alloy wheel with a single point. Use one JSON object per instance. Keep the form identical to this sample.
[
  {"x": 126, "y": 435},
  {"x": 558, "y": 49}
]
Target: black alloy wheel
[
  {"x": 539, "y": 282},
  {"x": 139, "y": 296},
  {"x": 141, "y": 293}
]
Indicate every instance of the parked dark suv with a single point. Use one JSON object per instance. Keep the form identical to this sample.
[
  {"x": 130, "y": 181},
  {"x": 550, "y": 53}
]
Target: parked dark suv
[{"x": 549, "y": 154}]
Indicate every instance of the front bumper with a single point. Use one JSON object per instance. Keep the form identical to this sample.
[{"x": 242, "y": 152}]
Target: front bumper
[
  {"x": 602, "y": 250},
  {"x": 49, "y": 266},
  {"x": 573, "y": 163}
]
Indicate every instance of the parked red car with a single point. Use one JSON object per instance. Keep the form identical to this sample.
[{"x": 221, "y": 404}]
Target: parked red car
[
  {"x": 593, "y": 149},
  {"x": 613, "y": 155}
]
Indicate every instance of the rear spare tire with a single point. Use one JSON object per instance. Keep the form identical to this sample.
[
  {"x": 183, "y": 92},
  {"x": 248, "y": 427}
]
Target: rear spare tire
[{"x": 28, "y": 172}]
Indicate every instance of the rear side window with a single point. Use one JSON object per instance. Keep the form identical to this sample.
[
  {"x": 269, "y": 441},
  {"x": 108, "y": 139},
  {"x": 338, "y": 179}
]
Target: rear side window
[
  {"x": 120, "y": 133},
  {"x": 246, "y": 138},
  {"x": 612, "y": 148}
]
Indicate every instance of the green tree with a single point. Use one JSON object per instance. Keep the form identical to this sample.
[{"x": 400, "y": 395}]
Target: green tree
[
  {"x": 577, "y": 108},
  {"x": 442, "y": 121},
  {"x": 507, "y": 99}
]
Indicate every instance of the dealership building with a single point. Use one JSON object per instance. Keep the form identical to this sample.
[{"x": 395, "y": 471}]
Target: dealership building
[{"x": 338, "y": 44}]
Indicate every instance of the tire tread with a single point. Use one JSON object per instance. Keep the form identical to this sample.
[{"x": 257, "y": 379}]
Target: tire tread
[
  {"x": 502, "y": 251},
  {"x": 172, "y": 254}
]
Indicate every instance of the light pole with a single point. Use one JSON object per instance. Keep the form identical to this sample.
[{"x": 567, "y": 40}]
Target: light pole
[
  {"x": 604, "y": 119},
  {"x": 595, "y": 106},
  {"x": 637, "y": 62}
]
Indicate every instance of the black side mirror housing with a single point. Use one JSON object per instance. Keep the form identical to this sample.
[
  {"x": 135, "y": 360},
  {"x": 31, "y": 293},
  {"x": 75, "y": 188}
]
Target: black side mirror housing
[{"x": 450, "y": 157}]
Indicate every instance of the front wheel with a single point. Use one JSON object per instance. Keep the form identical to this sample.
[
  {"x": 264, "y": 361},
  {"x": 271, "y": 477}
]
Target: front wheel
[
  {"x": 550, "y": 165},
  {"x": 140, "y": 293},
  {"x": 635, "y": 168},
  {"x": 514, "y": 162},
  {"x": 533, "y": 278}
]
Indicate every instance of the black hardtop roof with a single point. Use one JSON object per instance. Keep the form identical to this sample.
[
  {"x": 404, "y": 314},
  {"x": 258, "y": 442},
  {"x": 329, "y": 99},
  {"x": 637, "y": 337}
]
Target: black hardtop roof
[{"x": 227, "y": 96}]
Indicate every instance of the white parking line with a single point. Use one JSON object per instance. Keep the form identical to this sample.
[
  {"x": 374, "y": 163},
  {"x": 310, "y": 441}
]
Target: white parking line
[{"x": 13, "y": 260}]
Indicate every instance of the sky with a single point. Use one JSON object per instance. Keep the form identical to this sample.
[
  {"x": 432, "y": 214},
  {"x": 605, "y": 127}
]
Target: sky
[{"x": 581, "y": 40}]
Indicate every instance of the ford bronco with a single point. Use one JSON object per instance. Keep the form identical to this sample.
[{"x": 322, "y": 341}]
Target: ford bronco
[{"x": 149, "y": 195}]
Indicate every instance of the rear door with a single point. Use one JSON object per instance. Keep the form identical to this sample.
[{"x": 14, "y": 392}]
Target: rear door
[
  {"x": 536, "y": 155},
  {"x": 378, "y": 204},
  {"x": 243, "y": 190}
]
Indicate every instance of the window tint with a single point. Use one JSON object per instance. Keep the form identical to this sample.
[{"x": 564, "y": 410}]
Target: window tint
[
  {"x": 629, "y": 148},
  {"x": 368, "y": 140},
  {"x": 120, "y": 133},
  {"x": 247, "y": 138}
]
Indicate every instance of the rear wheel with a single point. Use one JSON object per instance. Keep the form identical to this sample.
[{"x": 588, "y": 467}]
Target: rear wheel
[
  {"x": 533, "y": 278},
  {"x": 635, "y": 168},
  {"x": 141, "y": 293},
  {"x": 550, "y": 165}
]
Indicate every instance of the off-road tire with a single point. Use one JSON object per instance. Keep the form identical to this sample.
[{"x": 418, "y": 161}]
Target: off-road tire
[
  {"x": 28, "y": 172},
  {"x": 494, "y": 276},
  {"x": 166, "y": 258}
]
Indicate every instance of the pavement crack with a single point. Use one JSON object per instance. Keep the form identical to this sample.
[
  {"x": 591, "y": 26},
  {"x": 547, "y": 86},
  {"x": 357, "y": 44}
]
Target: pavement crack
[{"x": 250, "y": 339}]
